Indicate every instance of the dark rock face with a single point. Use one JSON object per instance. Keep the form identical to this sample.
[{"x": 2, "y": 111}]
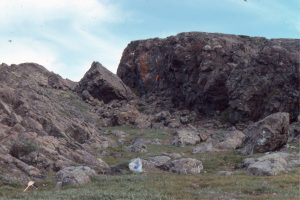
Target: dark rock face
[
  {"x": 103, "y": 85},
  {"x": 244, "y": 78},
  {"x": 268, "y": 134}
]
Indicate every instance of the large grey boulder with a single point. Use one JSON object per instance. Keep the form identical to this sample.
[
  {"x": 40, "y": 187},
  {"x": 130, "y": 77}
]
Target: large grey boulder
[
  {"x": 268, "y": 165},
  {"x": 79, "y": 175},
  {"x": 155, "y": 162},
  {"x": 183, "y": 166},
  {"x": 101, "y": 84},
  {"x": 268, "y": 134},
  {"x": 159, "y": 160}
]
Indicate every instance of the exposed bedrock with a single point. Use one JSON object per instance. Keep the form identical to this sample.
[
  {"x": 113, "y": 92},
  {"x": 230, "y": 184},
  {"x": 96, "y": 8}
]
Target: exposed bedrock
[{"x": 240, "y": 77}]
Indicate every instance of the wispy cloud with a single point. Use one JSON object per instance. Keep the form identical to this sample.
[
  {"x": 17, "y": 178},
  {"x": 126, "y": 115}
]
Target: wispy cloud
[
  {"x": 44, "y": 10},
  {"x": 62, "y": 35}
]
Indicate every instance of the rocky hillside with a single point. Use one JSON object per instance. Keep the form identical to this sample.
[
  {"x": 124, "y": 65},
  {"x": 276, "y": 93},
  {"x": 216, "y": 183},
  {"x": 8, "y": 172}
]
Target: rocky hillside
[
  {"x": 80, "y": 130},
  {"x": 240, "y": 78},
  {"x": 45, "y": 125}
]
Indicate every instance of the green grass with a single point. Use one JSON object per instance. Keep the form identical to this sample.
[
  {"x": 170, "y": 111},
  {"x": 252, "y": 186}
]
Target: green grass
[
  {"x": 141, "y": 133},
  {"x": 134, "y": 133},
  {"x": 171, "y": 186},
  {"x": 213, "y": 161},
  {"x": 167, "y": 186}
]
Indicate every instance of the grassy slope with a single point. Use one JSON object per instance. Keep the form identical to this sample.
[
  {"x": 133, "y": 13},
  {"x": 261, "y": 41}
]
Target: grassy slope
[
  {"x": 171, "y": 186},
  {"x": 162, "y": 185}
]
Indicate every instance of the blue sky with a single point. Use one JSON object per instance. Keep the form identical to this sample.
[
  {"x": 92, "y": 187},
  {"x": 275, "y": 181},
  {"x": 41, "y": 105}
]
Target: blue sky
[{"x": 66, "y": 36}]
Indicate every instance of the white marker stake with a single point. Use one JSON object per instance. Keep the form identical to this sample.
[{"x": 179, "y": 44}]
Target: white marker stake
[{"x": 30, "y": 183}]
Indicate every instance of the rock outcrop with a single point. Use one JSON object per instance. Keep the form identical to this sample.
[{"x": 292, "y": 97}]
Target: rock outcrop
[
  {"x": 242, "y": 78},
  {"x": 53, "y": 125},
  {"x": 103, "y": 85},
  {"x": 44, "y": 125},
  {"x": 268, "y": 134}
]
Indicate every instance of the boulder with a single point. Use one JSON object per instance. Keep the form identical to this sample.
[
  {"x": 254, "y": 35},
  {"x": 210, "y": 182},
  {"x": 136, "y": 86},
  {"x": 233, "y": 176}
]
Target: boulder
[
  {"x": 75, "y": 176},
  {"x": 153, "y": 163},
  {"x": 103, "y": 85},
  {"x": 233, "y": 140},
  {"x": 186, "y": 137},
  {"x": 268, "y": 134},
  {"x": 183, "y": 166},
  {"x": 159, "y": 160},
  {"x": 268, "y": 165}
]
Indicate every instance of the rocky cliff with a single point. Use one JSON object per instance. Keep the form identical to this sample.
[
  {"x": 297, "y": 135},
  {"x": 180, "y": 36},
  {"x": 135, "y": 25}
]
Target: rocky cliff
[{"x": 239, "y": 78}]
